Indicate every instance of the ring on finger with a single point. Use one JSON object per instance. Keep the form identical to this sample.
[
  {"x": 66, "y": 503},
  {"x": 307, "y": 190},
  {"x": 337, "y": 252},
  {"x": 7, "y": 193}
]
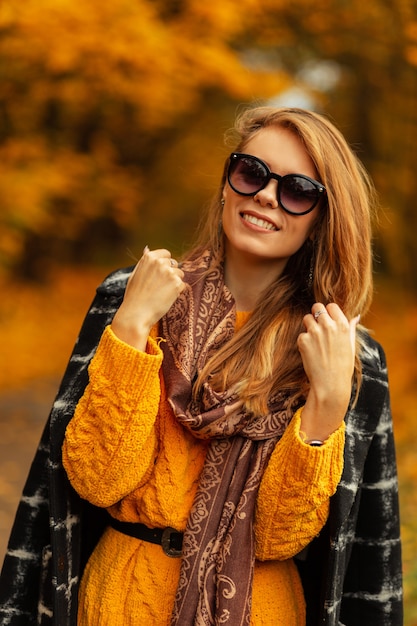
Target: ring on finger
[{"x": 318, "y": 313}]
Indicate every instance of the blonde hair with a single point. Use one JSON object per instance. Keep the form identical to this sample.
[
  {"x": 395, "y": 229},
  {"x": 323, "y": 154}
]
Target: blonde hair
[{"x": 262, "y": 359}]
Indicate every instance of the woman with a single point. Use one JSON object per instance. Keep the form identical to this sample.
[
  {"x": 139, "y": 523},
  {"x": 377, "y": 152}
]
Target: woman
[{"x": 234, "y": 437}]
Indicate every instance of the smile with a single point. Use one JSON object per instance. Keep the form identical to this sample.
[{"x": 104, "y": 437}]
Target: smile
[{"x": 258, "y": 222}]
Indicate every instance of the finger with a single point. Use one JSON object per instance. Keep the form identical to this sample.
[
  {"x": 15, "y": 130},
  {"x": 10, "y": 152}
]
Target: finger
[
  {"x": 158, "y": 253},
  {"x": 148, "y": 256},
  {"x": 317, "y": 310},
  {"x": 329, "y": 312},
  {"x": 335, "y": 312},
  {"x": 182, "y": 286},
  {"x": 352, "y": 328},
  {"x": 165, "y": 256}
]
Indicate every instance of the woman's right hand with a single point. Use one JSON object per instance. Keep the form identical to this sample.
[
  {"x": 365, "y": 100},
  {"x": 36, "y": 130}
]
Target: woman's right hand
[{"x": 154, "y": 285}]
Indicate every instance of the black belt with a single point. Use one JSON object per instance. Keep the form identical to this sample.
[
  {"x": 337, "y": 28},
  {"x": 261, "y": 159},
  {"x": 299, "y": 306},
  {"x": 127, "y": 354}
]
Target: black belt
[{"x": 168, "y": 538}]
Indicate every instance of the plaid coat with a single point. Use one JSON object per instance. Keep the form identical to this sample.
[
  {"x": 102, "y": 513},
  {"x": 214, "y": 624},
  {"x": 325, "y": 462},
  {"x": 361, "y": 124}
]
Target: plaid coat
[{"x": 351, "y": 572}]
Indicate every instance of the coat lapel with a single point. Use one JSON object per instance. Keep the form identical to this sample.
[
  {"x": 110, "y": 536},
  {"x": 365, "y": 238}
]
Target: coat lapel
[{"x": 361, "y": 423}]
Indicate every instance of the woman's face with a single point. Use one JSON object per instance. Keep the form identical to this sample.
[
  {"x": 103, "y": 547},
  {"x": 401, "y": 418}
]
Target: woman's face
[{"x": 257, "y": 229}]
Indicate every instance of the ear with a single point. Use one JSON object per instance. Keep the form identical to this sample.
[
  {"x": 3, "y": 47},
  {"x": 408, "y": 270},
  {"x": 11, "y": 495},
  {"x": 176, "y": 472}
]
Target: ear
[{"x": 224, "y": 193}]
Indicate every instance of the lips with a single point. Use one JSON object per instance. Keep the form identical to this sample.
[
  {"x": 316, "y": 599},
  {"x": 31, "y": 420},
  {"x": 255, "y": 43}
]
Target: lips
[{"x": 257, "y": 221}]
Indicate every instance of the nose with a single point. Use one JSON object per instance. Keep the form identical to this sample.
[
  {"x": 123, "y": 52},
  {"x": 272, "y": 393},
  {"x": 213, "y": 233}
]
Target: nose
[{"x": 268, "y": 196}]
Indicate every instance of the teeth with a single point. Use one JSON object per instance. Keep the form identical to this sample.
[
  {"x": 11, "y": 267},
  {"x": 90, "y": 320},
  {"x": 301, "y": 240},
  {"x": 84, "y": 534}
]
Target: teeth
[{"x": 258, "y": 222}]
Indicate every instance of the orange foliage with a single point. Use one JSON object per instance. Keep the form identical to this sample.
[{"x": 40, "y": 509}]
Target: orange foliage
[
  {"x": 92, "y": 95},
  {"x": 39, "y": 325},
  {"x": 88, "y": 96}
]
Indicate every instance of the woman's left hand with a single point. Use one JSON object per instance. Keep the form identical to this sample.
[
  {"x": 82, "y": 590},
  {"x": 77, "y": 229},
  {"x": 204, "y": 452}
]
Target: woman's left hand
[{"x": 327, "y": 348}]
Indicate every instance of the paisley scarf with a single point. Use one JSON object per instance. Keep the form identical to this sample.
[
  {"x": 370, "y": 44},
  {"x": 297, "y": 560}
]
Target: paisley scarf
[{"x": 218, "y": 548}]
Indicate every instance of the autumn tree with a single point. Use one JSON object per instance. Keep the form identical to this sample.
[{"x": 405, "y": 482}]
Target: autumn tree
[
  {"x": 91, "y": 97},
  {"x": 372, "y": 46},
  {"x": 112, "y": 113}
]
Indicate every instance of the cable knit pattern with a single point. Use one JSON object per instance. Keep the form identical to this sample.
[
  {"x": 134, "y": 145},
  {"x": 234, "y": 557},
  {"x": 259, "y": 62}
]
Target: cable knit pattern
[
  {"x": 293, "y": 501},
  {"x": 351, "y": 572},
  {"x": 116, "y": 455},
  {"x": 125, "y": 450},
  {"x": 111, "y": 441}
]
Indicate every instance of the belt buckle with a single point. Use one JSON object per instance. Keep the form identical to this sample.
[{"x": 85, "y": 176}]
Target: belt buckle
[{"x": 166, "y": 542}]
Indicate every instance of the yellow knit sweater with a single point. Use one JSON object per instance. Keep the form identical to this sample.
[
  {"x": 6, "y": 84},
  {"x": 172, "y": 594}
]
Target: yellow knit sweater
[{"x": 125, "y": 451}]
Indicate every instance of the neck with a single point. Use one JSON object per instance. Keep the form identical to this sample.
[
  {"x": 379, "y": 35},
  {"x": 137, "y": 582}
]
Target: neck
[{"x": 247, "y": 279}]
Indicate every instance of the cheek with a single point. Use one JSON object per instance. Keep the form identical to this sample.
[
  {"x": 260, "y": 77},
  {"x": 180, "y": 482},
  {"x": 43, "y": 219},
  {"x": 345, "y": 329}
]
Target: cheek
[
  {"x": 308, "y": 227},
  {"x": 300, "y": 233},
  {"x": 228, "y": 215},
  {"x": 227, "y": 225}
]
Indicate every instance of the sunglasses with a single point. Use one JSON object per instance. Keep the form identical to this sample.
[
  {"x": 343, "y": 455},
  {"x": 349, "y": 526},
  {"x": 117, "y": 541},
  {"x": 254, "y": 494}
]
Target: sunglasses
[{"x": 297, "y": 194}]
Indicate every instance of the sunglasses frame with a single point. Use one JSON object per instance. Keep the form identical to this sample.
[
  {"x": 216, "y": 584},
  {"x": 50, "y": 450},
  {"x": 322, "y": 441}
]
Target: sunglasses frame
[{"x": 321, "y": 189}]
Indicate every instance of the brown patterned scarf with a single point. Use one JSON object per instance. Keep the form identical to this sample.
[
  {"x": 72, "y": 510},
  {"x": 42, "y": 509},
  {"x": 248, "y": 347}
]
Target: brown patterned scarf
[{"x": 218, "y": 549}]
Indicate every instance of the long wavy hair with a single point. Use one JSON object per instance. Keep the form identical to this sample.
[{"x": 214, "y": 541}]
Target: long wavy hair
[{"x": 334, "y": 265}]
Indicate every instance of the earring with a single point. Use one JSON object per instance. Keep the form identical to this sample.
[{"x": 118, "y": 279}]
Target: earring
[
  {"x": 310, "y": 274},
  {"x": 222, "y": 201},
  {"x": 312, "y": 255}
]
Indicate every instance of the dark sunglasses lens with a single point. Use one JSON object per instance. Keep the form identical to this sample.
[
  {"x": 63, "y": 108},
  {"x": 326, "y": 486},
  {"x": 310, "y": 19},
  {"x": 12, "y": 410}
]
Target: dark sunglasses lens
[
  {"x": 298, "y": 194},
  {"x": 247, "y": 175}
]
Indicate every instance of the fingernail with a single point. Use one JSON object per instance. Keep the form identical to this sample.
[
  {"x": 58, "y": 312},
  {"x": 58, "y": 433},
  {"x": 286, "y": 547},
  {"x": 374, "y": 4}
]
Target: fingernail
[{"x": 145, "y": 249}]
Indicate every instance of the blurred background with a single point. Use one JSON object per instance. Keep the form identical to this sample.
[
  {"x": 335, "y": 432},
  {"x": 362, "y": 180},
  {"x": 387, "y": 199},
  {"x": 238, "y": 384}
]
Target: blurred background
[{"x": 112, "y": 123}]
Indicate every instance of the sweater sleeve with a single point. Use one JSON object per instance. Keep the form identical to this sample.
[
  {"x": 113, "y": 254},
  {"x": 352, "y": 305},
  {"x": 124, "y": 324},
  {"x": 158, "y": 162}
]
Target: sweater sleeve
[
  {"x": 110, "y": 443},
  {"x": 293, "y": 499}
]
